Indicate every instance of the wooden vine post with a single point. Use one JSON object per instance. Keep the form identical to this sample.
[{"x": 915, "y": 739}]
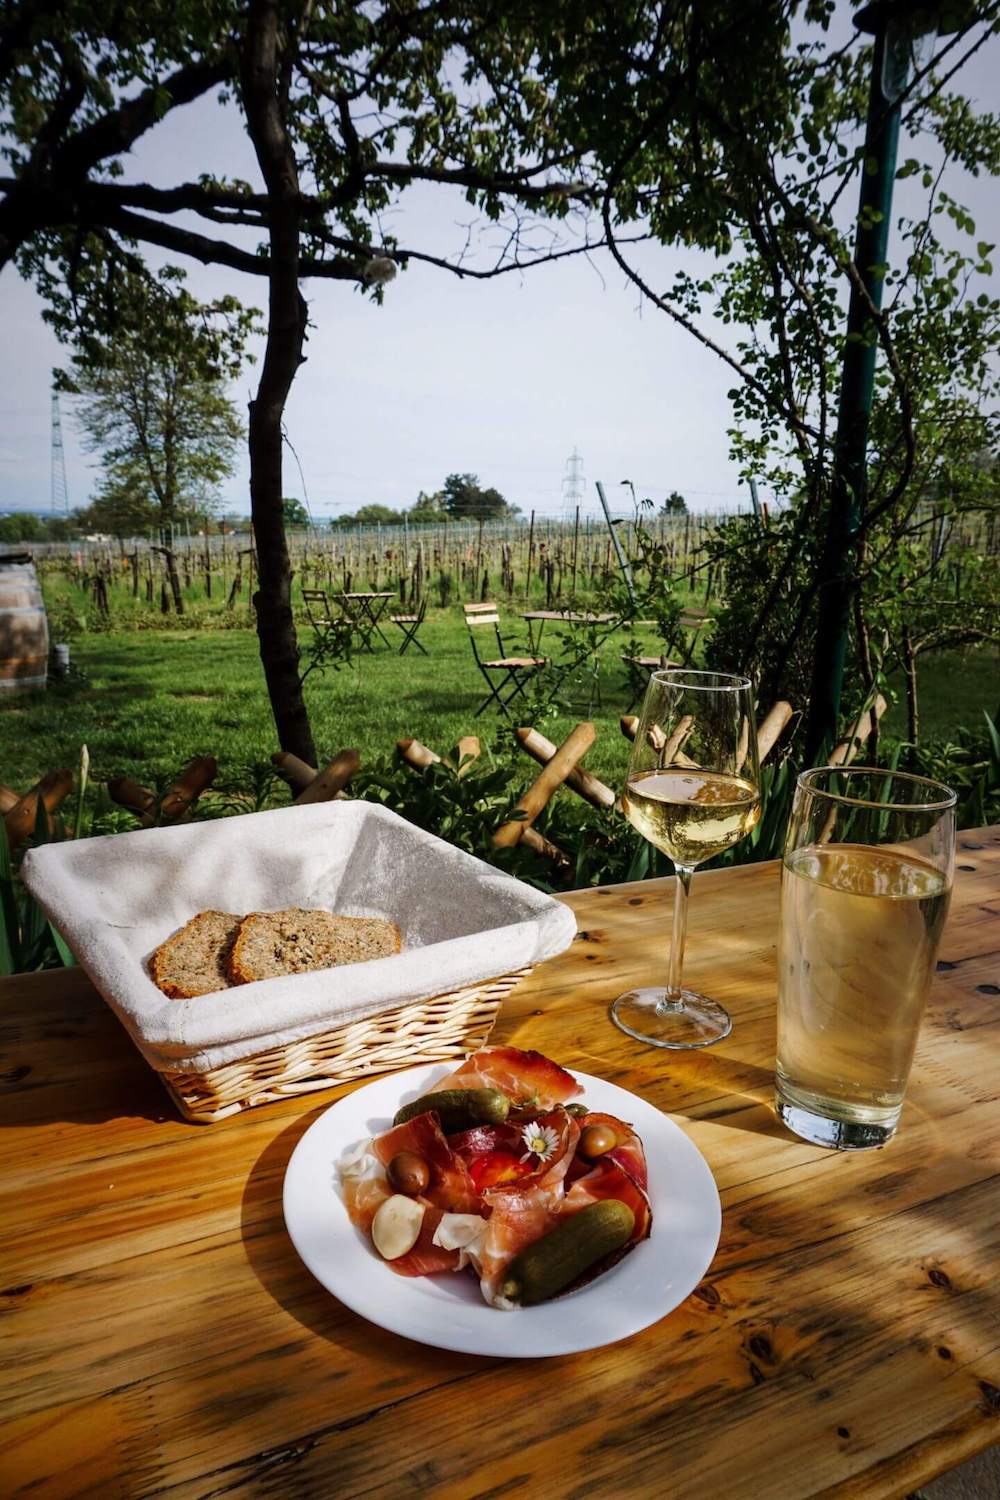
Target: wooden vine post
[
  {"x": 554, "y": 773},
  {"x": 772, "y": 726},
  {"x": 332, "y": 779},
  {"x": 419, "y": 757},
  {"x": 769, "y": 731},
  {"x": 311, "y": 785},
  {"x": 176, "y": 802},
  {"x": 19, "y": 819},
  {"x": 844, "y": 753},
  {"x": 137, "y": 799},
  {"x": 541, "y": 749}
]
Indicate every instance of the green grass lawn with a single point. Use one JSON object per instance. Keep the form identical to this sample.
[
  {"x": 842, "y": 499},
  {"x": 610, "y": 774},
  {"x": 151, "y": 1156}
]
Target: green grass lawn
[
  {"x": 147, "y": 700},
  {"x": 953, "y": 688}
]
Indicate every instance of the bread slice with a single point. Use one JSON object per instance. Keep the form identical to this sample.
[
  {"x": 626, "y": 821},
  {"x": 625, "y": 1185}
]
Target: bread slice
[
  {"x": 195, "y": 960},
  {"x": 297, "y": 941}
]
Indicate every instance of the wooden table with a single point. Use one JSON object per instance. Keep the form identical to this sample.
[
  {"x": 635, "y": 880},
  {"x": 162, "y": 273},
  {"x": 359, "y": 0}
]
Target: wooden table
[
  {"x": 163, "y": 1339},
  {"x": 566, "y": 616},
  {"x": 365, "y": 611}
]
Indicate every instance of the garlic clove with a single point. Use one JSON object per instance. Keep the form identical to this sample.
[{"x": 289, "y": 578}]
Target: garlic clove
[{"x": 396, "y": 1226}]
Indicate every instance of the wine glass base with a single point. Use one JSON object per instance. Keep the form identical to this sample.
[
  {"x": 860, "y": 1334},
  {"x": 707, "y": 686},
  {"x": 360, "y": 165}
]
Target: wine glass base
[{"x": 695, "y": 1022}]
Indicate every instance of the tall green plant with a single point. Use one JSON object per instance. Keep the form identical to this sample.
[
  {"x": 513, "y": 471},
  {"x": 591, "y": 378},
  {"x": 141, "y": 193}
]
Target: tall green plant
[{"x": 28, "y": 940}]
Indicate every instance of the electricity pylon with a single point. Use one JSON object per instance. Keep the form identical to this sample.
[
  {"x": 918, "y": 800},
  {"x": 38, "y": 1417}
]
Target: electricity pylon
[
  {"x": 573, "y": 484},
  {"x": 59, "y": 490}
]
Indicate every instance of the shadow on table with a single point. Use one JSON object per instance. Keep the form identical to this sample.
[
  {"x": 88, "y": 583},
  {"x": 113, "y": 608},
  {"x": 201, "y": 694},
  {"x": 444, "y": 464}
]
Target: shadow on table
[
  {"x": 740, "y": 1096},
  {"x": 43, "y": 1082},
  {"x": 703, "y": 1084},
  {"x": 284, "y": 1277}
]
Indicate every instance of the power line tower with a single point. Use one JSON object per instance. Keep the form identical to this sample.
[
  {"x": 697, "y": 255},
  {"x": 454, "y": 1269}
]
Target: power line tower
[
  {"x": 59, "y": 489},
  {"x": 574, "y": 484}
]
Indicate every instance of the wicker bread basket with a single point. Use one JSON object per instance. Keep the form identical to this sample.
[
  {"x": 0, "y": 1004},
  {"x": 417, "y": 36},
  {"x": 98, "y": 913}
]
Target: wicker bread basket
[{"x": 435, "y": 1030}]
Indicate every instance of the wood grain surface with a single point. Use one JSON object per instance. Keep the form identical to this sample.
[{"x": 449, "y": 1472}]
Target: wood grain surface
[{"x": 161, "y": 1338}]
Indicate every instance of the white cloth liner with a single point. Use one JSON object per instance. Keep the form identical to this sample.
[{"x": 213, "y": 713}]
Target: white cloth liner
[{"x": 115, "y": 899}]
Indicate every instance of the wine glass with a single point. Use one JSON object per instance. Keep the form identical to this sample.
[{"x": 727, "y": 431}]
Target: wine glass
[{"x": 693, "y": 790}]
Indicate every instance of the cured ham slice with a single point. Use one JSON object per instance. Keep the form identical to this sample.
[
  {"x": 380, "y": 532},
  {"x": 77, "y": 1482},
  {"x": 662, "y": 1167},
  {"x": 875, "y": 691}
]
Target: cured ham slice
[
  {"x": 517, "y": 1219},
  {"x": 364, "y": 1183},
  {"x": 521, "y": 1212},
  {"x": 525, "y": 1078},
  {"x": 481, "y": 1139},
  {"x": 628, "y": 1153},
  {"x": 426, "y": 1258},
  {"x": 608, "y": 1180},
  {"x": 450, "y": 1187},
  {"x": 364, "y": 1197}
]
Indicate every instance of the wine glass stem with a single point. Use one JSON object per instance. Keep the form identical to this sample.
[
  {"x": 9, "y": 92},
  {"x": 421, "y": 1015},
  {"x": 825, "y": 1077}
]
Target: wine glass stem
[{"x": 682, "y": 890}]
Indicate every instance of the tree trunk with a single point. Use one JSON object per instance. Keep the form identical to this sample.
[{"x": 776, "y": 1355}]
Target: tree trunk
[
  {"x": 175, "y": 582},
  {"x": 172, "y": 574},
  {"x": 265, "y": 104}
]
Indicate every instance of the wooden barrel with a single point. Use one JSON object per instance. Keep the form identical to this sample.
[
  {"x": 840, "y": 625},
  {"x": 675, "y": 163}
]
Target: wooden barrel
[{"x": 24, "y": 631}]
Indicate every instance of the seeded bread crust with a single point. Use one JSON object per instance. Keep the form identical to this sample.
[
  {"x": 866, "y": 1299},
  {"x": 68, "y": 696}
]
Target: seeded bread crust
[
  {"x": 195, "y": 960},
  {"x": 299, "y": 941}
]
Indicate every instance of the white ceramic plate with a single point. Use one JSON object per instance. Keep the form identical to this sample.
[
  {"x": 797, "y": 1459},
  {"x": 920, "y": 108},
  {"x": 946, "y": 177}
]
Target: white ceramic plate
[{"x": 448, "y": 1312}]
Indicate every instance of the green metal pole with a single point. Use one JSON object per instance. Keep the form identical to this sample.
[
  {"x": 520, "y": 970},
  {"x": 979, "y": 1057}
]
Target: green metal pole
[{"x": 847, "y": 499}]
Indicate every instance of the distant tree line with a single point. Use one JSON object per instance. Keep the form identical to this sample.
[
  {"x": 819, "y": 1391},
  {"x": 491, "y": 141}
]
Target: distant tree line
[
  {"x": 460, "y": 498},
  {"x": 127, "y": 509},
  {"x": 28, "y": 526}
]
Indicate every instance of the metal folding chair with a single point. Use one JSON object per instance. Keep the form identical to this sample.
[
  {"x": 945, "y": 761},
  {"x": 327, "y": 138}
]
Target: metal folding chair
[
  {"x": 690, "y": 623},
  {"x": 640, "y": 669},
  {"x": 506, "y": 675},
  {"x": 331, "y": 632},
  {"x": 409, "y": 625}
]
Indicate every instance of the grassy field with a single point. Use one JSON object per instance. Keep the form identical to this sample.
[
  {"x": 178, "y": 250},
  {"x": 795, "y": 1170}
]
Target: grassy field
[
  {"x": 149, "y": 700},
  {"x": 144, "y": 701}
]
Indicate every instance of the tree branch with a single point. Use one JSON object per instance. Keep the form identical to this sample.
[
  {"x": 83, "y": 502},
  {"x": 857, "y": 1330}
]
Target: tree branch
[{"x": 118, "y": 131}]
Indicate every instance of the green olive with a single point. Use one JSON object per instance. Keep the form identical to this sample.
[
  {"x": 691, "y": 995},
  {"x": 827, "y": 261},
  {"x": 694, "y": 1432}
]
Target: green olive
[
  {"x": 408, "y": 1173},
  {"x": 596, "y": 1140}
]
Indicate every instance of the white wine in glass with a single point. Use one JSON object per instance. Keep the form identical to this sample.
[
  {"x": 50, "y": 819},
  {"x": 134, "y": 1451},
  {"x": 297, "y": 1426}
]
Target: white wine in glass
[{"x": 693, "y": 790}]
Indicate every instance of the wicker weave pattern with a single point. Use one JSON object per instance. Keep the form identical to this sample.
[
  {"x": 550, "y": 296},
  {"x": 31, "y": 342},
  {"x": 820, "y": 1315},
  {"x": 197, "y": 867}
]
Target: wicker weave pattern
[{"x": 448, "y": 1026}]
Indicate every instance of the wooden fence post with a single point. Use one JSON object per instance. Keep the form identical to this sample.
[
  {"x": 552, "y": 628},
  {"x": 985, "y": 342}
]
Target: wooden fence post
[
  {"x": 541, "y": 749},
  {"x": 554, "y": 773}
]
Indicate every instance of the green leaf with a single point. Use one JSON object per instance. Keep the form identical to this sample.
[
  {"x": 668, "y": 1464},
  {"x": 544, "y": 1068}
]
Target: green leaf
[
  {"x": 994, "y": 734},
  {"x": 62, "y": 948},
  {"x": 41, "y": 831},
  {"x": 639, "y": 865}
]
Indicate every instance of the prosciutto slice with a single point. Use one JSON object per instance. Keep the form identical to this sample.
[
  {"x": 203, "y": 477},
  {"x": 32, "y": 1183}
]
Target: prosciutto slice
[
  {"x": 628, "y": 1153},
  {"x": 426, "y": 1258},
  {"x": 364, "y": 1184},
  {"x": 483, "y": 1139},
  {"x": 525, "y": 1078},
  {"x": 450, "y": 1187},
  {"x": 608, "y": 1180},
  {"x": 364, "y": 1197},
  {"x": 518, "y": 1218},
  {"x": 523, "y": 1211}
]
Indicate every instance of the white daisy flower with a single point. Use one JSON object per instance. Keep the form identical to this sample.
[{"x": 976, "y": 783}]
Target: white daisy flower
[{"x": 541, "y": 1141}]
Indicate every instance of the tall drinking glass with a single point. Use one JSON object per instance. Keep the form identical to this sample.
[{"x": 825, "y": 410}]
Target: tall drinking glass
[
  {"x": 693, "y": 790},
  {"x": 865, "y": 887}
]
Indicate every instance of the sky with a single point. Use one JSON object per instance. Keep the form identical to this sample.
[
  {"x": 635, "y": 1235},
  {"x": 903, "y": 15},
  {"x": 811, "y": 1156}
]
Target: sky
[{"x": 504, "y": 378}]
